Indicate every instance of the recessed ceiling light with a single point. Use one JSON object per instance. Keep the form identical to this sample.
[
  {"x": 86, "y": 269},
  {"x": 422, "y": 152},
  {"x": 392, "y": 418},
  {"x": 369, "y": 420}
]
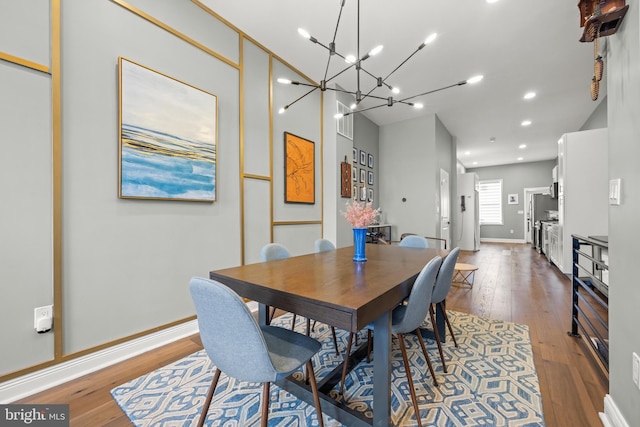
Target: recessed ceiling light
[
  {"x": 466, "y": 153},
  {"x": 492, "y": 1},
  {"x": 529, "y": 95},
  {"x": 526, "y": 123},
  {"x": 475, "y": 163},
  {"x": 519, "y": 159},
  {"x": 521, "y": 146}
]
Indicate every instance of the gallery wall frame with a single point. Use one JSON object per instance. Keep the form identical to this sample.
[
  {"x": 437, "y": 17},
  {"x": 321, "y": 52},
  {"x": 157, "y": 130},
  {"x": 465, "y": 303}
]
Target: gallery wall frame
[
  {"x": 370, "y": 178},
  {"x": 363, "y": 158},
  {"x": 167, "y": 137},
  {"x": 345, "y": 181},
  {"x": 300, "y": 170},
  {"x": 513, "y": 199}
]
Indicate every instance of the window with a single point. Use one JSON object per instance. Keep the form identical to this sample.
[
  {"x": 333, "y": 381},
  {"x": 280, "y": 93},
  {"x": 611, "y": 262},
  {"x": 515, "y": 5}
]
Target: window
[
  {"x": 490, "y": 202},
  {"x": 344, "y": 124}
]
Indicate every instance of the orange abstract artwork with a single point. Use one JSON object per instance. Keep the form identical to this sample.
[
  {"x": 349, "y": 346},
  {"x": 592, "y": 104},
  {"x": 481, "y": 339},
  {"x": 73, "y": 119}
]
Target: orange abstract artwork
[{"x": 299, "y": 184}]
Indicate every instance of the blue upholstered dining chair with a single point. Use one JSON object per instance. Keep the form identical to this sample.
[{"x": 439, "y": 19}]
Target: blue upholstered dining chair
[
  {"x": 440, "y": 292},
  {"x": 273, "y": 252},
  {"x": 242, "y": 349},
  {"x": 323, "y": 245},
  {"x": 407, "y": 318},
  {"x": 414, "y": 241}
]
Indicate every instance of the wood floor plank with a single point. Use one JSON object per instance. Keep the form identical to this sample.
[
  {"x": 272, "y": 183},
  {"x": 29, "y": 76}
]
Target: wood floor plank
[{"x": 513, "y": 283}]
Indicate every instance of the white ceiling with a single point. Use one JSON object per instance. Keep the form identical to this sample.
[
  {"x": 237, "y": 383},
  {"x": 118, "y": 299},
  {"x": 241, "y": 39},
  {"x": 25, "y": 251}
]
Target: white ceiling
[{"x": 518, "y": 45}]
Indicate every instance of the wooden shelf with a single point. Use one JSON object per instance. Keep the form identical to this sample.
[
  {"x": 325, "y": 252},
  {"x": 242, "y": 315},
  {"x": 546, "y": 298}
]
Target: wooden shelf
[{"x": 607, "y": 23}]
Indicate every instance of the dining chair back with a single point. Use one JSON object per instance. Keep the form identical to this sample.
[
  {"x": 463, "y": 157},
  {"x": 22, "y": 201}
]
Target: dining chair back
[
  {"x": 323, "y": 245},
  {"x": 440, "y": 292},
  {"x": 242, "y": 349},
  {"x": 445, "y": 277},
  {"x": 408, "y": 317},
  {"x": 414, "y": 241},
  {"x": 273, "y": 251}
]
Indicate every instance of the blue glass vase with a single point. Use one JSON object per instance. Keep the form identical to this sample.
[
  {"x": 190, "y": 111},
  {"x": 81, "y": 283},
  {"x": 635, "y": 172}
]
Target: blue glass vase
[{"x": 359, "y": 244}]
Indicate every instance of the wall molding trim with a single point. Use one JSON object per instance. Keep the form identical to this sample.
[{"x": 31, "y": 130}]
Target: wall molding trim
[
  {"x": 38, "y": 381},
  {"x": 612, "y": 417}
]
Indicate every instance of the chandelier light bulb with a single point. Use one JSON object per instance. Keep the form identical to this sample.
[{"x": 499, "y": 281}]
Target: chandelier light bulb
[
  {"x": 338, "y": 116},
  {"x": 529, "y": 95},
  {"x": 284, "y": 81},
  {"x": 526, "y": 123},
  {"x": 376, "y": 50},
  {"x": 353, "y": 106},
  {"x": 282, "y": 110},
  {"x": 475, "y": 79},
  {"x": 395, "y": 90},
  {"x": 431, "y": 38},
  {"x": 418, "y": 105},
  {"x": 522, "y": 146},
  {"x": 304, "y": 33},
  {"x": 350, "y": 59}
]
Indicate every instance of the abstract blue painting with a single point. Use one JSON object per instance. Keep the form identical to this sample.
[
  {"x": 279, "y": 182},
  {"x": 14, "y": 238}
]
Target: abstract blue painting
[{"x": 168, "y": 137}]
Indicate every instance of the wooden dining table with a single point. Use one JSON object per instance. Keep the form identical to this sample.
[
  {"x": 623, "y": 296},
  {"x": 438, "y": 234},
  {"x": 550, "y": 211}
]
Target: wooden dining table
[{"x": 330, "y": 287}]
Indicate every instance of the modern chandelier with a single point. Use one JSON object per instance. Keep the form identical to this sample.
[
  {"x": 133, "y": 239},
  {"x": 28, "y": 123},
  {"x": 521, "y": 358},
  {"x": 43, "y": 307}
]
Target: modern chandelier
[{"x": 355, "y": 62}]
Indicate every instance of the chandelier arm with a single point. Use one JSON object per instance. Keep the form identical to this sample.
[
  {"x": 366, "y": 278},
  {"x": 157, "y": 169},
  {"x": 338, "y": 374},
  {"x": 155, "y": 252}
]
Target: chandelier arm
[
  {"x": 404, "y": 62},
  {"x": 463, "y": 82},
  {"x": 299, "y": 98},
  {"x": 366, "y": 109}
]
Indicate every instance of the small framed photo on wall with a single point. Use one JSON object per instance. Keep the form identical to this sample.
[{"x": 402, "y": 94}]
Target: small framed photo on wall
[
  {"x": 363, "y": 193},
  {"x": 354, "y": 173},
  {"x": 370, "y": 161},
  {"x": 355, "y": 155},
  {"x": 370, "y": 178},
  {"x": 370, "y": 195},
  {"x": 513, "y": 199},
  {"x": 354, "y": 192},
  {"x": 363, "y": 175},
  {"x": 363, "y": 158}
]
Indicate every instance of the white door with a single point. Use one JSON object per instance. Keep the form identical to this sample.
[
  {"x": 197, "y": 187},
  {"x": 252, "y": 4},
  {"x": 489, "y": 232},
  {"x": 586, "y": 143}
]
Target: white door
[{"x": 445, "y": 220}]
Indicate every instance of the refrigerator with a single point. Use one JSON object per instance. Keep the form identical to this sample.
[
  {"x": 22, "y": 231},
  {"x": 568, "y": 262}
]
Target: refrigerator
[{"x": 468, "y": 212}]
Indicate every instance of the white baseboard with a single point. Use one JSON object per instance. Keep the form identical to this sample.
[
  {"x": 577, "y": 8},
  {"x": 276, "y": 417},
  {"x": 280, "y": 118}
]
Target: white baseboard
[
  {"x": 21, "y": 387},
  {"x": 492, "y": 240},
  {"x": 612, "y": 417}
]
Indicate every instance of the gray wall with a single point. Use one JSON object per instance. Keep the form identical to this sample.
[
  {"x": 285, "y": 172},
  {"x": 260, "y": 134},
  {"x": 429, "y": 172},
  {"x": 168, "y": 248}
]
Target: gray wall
[
  {"x": 623, "y": 88},
  {"x": 597, "y": 119},
  {"x": 26, "y": 241},
  {"x": 126, "y": 263},
  {"x": 515, "y": 178},
  {"x": 412, "y": 153}
]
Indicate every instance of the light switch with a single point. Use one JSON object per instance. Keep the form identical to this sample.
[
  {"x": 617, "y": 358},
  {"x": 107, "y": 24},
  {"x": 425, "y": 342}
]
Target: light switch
[{"x": 614, "y": 191}]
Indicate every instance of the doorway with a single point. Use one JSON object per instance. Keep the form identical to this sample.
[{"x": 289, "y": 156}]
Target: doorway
[
  {"x": 445, "y": 219},
  {"x": 528, "y": 215}
]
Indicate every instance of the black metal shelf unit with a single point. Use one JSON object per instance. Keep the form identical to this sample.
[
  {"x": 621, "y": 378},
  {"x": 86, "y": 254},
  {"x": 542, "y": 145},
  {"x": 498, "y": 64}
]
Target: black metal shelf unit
[{"x": 590, "y": 302}]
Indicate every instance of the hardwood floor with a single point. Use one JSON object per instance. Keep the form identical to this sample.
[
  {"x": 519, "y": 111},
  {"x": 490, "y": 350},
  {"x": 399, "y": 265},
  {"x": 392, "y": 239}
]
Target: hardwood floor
[{"x": 513, "y": 283}]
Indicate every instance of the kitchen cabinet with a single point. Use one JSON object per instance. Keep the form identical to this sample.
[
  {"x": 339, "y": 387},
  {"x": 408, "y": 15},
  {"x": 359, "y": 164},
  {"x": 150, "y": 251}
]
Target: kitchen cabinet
[{"x": 583, "y": 185}]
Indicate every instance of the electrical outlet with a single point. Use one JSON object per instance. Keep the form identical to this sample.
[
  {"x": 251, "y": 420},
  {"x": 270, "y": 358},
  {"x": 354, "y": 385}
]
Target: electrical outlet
[
  {"x": 636, "y": 370},
  {"x": 42, "y": 318}
]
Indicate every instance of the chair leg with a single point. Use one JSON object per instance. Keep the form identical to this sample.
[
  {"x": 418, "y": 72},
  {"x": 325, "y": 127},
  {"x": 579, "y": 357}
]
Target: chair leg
[
  {"x": 437, "y": 334},
  {"x": 271, "y": 314},
  {"x": 207, "y": 402},
  {"x": 293, "y": 322},
  {"x": 446, "y": 318},
  {"x": 345, "y": 363},
  {"x": 335, "y": 340},
  {"x": 426, "y": 356},
  {"x": 265, "y": 404},
  {"x": 369, "y": 342},
  {"x": 316, "y": 396},
  {"x": 414, "y": 399},
  {"x": 308, "y": 327}
]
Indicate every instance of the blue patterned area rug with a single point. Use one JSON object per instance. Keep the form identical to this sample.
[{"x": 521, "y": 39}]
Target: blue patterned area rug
[{"x": 492, "y": 381}]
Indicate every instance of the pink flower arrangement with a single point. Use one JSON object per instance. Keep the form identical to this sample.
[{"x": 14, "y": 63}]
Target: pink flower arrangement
[{"x": 361, "y": 214}]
